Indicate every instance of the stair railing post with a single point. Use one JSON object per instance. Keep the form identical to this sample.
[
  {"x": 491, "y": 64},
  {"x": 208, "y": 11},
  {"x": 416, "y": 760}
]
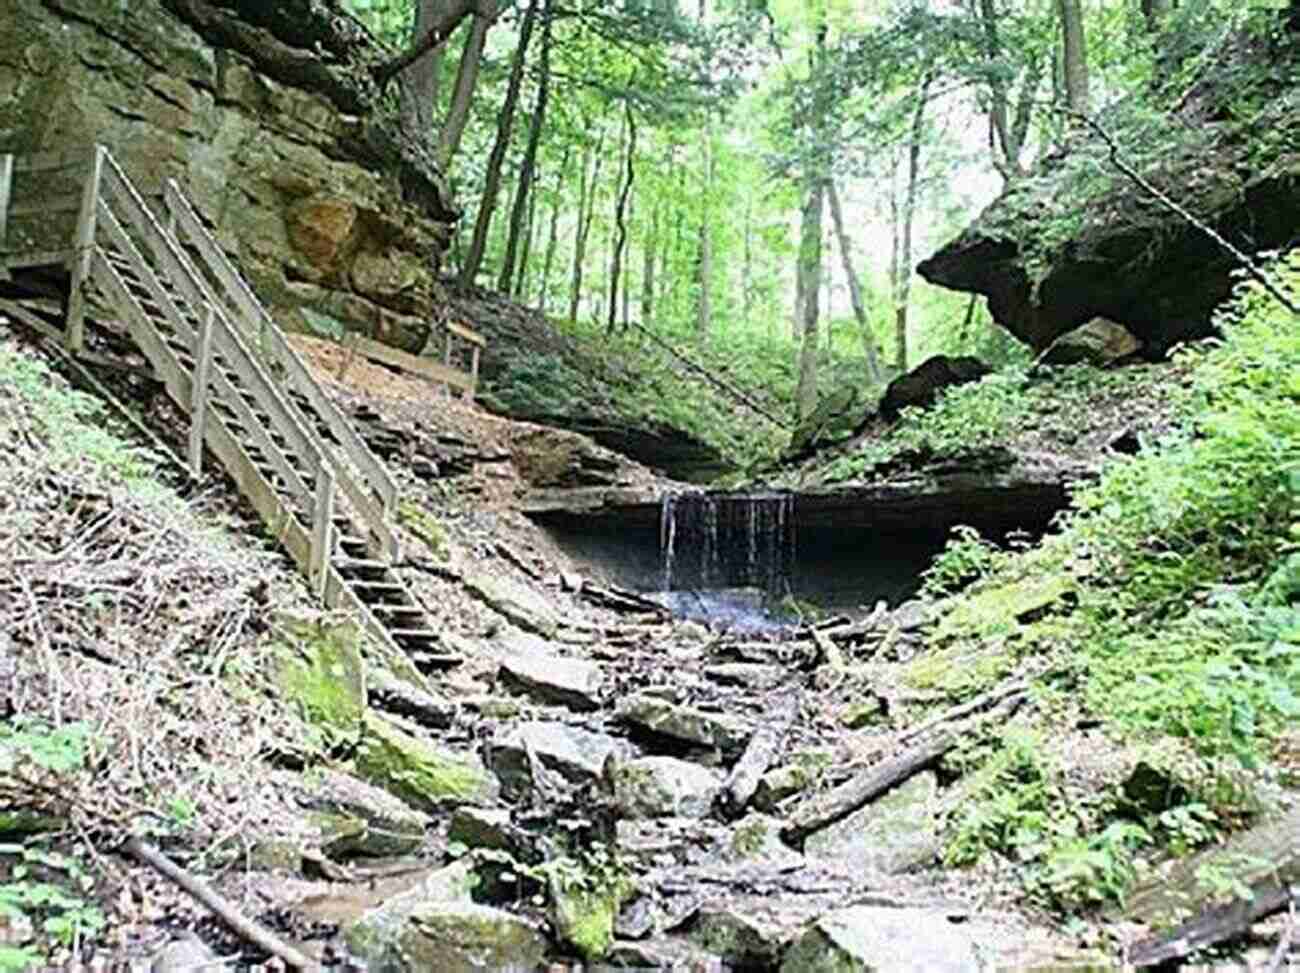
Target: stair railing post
[
  {"x": 199, "y": 392},
  {"x": 75, "y": 335},
  {"x": 472, "y": 388},
  {"x": 446, "y": 360},
  {"x": 322, "y": 527},
  {"x": 6, "y": 193}
]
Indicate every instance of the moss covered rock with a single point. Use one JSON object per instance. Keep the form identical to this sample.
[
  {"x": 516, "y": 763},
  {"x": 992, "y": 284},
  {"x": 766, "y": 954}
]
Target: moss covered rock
[
  {"x": 419, "y": 772},
  {"x": 446, "y": 936},
  {"x": 320, "y": 671}
]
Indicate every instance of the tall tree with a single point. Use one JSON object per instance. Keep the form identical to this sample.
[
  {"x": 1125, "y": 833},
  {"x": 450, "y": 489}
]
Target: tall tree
[
  {"x": 524, "y": 187},
  {"x": 586, "y": 211},
  {"x": 905, "y": 217},
  {"x": 874, "y": 369},
  {"x": 810, "y": 275},
  {"x": 1074, "y": 52},
  {"x": 620, "y": 216},
  {"x": 471, "y": 59},
  {"x": 505, "y": 125},
  {"x": 553, "y": 237},
  {"x": 419, "y": 83}
]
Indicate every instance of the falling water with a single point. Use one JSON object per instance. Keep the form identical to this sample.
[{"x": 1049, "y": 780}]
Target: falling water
[{"x": 720, "y": 541}]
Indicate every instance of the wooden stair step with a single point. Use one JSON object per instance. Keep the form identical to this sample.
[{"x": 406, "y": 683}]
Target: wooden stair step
[
  {"x": 434, "y": 661},
  {"x": 355, "y": 569}
]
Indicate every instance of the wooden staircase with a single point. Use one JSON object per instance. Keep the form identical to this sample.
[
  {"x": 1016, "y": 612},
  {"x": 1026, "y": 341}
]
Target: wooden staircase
[{"x": 173, "y": 296}]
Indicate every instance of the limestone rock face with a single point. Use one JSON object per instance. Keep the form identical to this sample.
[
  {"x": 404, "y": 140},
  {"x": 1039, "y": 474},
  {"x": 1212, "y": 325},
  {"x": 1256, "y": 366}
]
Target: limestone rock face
[
  {"x": 1055, "y": 250},
  {"x": 267, "y": 117}
]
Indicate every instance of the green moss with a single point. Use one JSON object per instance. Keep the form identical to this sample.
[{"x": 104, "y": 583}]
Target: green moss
[
  {"x": 958, "y": 671},
  {"x": 321, "y": 671},
  {"x": 585, "y": 915},
  {"x": 425, "y": 526},
  {"x": 1000, "y": 610},
  {"x": 750, "y": 838},
  {"x": 28, "y": 822},
  {"x": 417, "y": 771}
]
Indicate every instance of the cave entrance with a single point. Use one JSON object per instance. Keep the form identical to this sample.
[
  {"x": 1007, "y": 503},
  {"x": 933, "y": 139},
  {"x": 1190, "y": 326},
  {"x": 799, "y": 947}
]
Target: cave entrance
[{"x": 758, "y": 560}]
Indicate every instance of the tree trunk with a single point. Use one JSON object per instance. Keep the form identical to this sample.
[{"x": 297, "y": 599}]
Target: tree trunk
[
  {"x": 1154, "y": 12},
  {"x": 1074, "y": 50},
  {"x": 704, "y": 253},
  {"x": 553, "y": 237},
  {"x": 431, "y": 36},
  {"x": 526, "y": 251},
  {"x": 809, "y": 277},
  {"x": 420, "y": 82},
  {"x": 874, "y": 370},
  {"x": 649, "y": 248},
  {"x": 620, "y": 220},
  {"x": 505, "y": 125},
  {"x": 587, "y": 199},
  {"x": 904, "y": 292},
  {"x": 471, "y": 59},
  {"x": 524, "y": 189}
]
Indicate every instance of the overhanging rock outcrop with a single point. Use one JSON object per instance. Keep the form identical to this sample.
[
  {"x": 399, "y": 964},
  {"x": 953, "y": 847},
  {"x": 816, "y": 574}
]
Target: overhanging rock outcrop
[
  {"x": 1057, "y": 248},
  {"x": 267, "y": 115}
]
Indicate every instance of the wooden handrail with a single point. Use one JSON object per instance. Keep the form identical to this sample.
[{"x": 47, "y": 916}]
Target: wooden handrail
[
  {"x": 230, "y": 343},
  {"x": 241, "y": 296}
]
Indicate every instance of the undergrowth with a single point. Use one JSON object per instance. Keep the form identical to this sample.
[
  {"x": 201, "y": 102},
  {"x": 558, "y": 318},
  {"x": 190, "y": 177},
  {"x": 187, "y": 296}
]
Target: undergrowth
[
  {"x": 1173, "y": 624},
  {"x": 968, "y": 419},
  {"x": 631, "y": 377}
]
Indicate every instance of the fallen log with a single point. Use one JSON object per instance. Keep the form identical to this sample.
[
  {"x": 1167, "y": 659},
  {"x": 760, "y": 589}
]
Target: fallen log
[
  {"x": 825, "y": 809},
  {"x": 839, "y": 803},
  {"x": 760, "y": 753},
  {"x": 219, "y": 906},
  {"x": 1214, "y": 925}
]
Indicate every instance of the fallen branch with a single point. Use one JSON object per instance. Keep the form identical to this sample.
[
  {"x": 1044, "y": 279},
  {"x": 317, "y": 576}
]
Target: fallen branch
[
  {"x": 760, "y": 752},
  {"x": 222, "y": 909},
  {"x": 980, "y": 702},
  {"x": 708, "y": 376},
  {"x": 866, "y": 786},
  {"x": 1243, "y": 258},
  {"x": 1215, "y": 925}
]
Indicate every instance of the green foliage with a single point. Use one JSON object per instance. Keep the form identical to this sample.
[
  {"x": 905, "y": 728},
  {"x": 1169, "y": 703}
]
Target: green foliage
[
  {"x": 628, "y": 375},
  {"x": 59, "y": 750},
  {"x": 1184, "y": 622},
  {"x": 64, "y": 916},
  {"x": 966, "y": 557},
  {"x": 71, "y": 424}
]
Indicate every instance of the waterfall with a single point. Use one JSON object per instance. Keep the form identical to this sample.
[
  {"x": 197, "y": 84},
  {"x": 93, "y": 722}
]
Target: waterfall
[{"x": 710, "y": 541}]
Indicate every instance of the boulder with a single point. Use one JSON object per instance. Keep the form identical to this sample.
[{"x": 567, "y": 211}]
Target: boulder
[
  {"x": 357, "y": 818},
  {"x": 664, "y": 787},
  {"x": 873, "y": 939},
  {"x": 646, "y": 712},
  {"x": 480, "y": 827},
  {"x": 422, "y": 934},
  {"x": 553, "y": 678},
  {"x": 423, "y": 774},
  {"x": 892, "y": 834},
  {"x": 921, "y": 386},
  {"x": 576, "y": 755},
  {"x": 1061, "y": 246},
  {"x": 1099, "y": 342},
  {"x": 756, "y": 840}
]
